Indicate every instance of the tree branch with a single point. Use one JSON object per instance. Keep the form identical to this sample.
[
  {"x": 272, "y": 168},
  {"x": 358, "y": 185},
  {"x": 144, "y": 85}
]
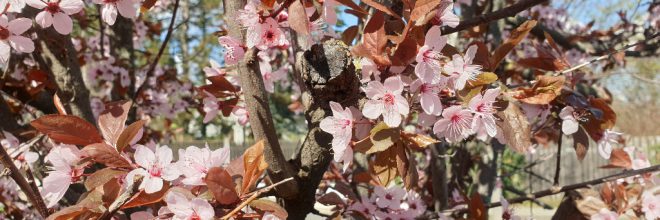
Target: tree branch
[
  {"x": 556, "y": 189},
  {"x": 257, "y": 105},
  {"x": 34, "y": 197},
  {"x": 558, "y": 164},
  {"x": 161, "y": 50},
  {"x": 510, "y": 11}
]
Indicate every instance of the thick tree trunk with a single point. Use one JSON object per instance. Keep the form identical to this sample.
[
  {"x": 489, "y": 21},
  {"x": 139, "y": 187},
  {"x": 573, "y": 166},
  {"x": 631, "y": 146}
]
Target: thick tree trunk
[{"x": 329, "y": 75}]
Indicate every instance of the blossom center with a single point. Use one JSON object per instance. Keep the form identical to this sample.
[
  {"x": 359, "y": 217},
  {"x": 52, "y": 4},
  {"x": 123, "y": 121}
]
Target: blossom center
[
  {"x": 195, "y": 216},
  {"x": 75, "y": 174},
  {"x": 346, "y": 123},
  {"x": 388, "y": 197},
  {"x": 110, "y": 1},
  {"x": 269, "y": 35},
  {"x": 389, "y": 99},
  {"x": 431, "y": 56},
  {"x": 52, "y": 7},
  {"x": 4, "y": 33},
  {"x": 155, "y": 171}
]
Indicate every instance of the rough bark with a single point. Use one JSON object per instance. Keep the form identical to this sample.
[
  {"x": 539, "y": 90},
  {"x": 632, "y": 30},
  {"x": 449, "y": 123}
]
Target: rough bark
[
  {"x": 256, "y": 101},
  {"x": 261, "y": 122},
  {"x": 56, "y": 55},
  {"x": 329, "y": 75}
]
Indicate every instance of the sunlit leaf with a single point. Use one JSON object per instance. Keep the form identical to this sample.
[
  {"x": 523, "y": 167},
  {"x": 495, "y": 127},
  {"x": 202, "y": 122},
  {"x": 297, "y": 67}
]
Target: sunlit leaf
[
  {"x": 221, "y": 186},
  {"x": 112, "y": 120},
  {"x": 67, "y": 129},
  {"x": 515, "y": 37},
  {"x": 269, "y": 206},
  {"x": 106, "y": 155}
]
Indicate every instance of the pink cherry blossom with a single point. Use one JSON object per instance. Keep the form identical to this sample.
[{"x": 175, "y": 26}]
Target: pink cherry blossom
[
  {"x": 605, "y": 143},
  {"x": 14, "y": 5},
  {"x": 369, "y": 68},
  {"x": 56, "y": 13},
  {"x": 64, "y": 172},
  {"x": 265, "y": 35},
  {"x": 386, "y": 100},
  {"x": 271, "y": 77},
  {"x": 10, "y": 37},
  {"x": 414, "y": 204},
  {"x": 126, "y": 8},
  {"x": 428, "y": 66},
  {"x": 651, "y": 205},
  {"x": 483, "y": 123},
  {"x": 366, "y": 207},
  {"x": 429, "y": 99},
  {"x": 445, "y": 15},
  {"x": 186, "y": 209},
  {"x": 455, "y": 124},
  {"x": 154, "y": 167},
  {"x": 340, "y": 125},
  {"x": 507, "y": 213},
  {"x": 570, "y": 124},
  {"x": 604, "y": 214},
  {"x": 249, "y": 16},
  {"x": 329, "y": 14},
  {"x": 21, "y": 154},
  {"x": 234, "y": 51},
  {"x": 210, "y": 107},
  {"x": 241, "y": 115},
  {"x": 195, "y": 162},
  {"x": 389, "y": 197},
  {"x": 461, "y": 68}
]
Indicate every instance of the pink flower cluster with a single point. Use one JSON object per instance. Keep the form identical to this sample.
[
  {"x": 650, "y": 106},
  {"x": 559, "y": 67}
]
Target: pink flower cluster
[{"x": 389, "y": 203}]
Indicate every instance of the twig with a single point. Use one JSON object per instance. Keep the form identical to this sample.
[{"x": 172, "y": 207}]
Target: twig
[
  {"x": 131, "y": 190},
  {"x": 558, "y": 165},
  {"x": 34, "y": 196},
  {"x": 556, "y": 189},
  {"x": 101, "y": 31},
  {"x": 493, "y": 16},
  {"x": 152, "y": 66},
  {"x": 605, "y": 56},
  {"x": 253, "y": 196}
]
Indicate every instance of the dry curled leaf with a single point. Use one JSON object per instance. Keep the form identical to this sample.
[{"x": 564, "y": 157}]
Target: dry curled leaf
[
  {"x": 254, "y": 165},
  {"x": 384, "y": 167},
  {"x": 515, "y": 128},
  {"x": 269, "y": 206},
  {"x": 581, "y": 143},
  {"x": 298, "y": 18},
  {"x": 619, "y": 158},
  {"x": 382, "y": 137},
  {"x": 130, "y": 135},
  {"x": 417, "y": 141},
  {"x": 546, "y": 89}
]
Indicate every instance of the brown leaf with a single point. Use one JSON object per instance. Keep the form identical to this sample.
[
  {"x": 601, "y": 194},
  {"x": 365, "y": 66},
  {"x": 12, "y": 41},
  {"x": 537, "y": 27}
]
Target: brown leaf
[
  {"x": 254, "y": 165},
  {"x": 221, "y": 186},
  {"x": 67, "y": 129},
  {"x": 147, "y": 4},
  {"x": 476, "y": 208},
  {"x": 581, "y": 143},
  {"x": 422, "y": 8},
  {"x": 266, "y": 205},
  {"x": 131, "y": 132},
  {"x": 546, "y": 89},
  {"x": 597, "y": 125},
  {"x": 268, "y": 3},
  {"x": 227, "y": 106},
  {"x": 417, "y": 141},
  {"x": 384, "y": 166},
  {"x": 58, "y": 105},
  {"x": 482, "y": 56},
  {"x": 619, "y": 159},
  {"x": 102, "y": 176},
  {"x": 221, "y": 83},
  {"x": 405, "y": 52},
  {"x": 516, "y": 36},
  {"x": 381, "y": 7},
  {"x": 374, "y": 40},
  {"x": 330, "y": 199},
  {"x": 515, "y": 128},
  {"x": 107, "y": 155},
  {"x": 349, "y": 34},
  {"x": 298, "y": 18},
  {"x": 355, "y": 7},
  {"x": 70, "y": 212},
  {"x": 112, "y": 120},
  {"x": 142, "y": 198}
]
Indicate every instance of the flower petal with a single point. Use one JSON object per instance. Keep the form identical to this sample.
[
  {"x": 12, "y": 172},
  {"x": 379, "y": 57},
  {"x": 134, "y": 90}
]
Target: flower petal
[{"x": 62, "y": 23}]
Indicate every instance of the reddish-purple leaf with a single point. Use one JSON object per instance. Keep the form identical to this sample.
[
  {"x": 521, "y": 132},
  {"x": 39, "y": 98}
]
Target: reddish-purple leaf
[
  {"x": 67, "y": 129},
  {"x": 129, "y": 134},
  {"x": 221, "y": 186},
  {"x": 107, "y": 155}
]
